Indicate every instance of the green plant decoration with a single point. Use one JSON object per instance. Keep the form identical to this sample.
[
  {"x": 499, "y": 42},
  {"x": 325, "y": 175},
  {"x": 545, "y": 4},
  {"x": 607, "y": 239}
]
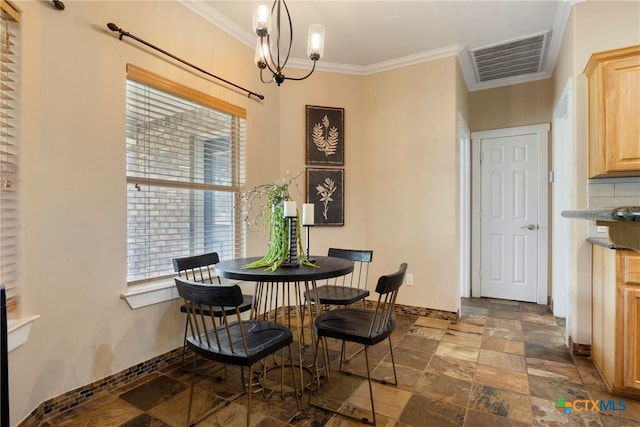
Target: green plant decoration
[{"x": 270, "y": 199}]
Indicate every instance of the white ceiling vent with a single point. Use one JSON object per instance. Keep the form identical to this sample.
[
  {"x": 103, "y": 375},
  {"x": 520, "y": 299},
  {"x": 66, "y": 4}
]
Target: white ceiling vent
[{"x": 510, "y": 59}]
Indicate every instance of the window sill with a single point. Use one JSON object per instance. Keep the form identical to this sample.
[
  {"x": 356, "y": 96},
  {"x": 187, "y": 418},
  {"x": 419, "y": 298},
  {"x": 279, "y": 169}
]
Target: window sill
[
  {"x": 162, "y": 290},
  {"x": 18, "y": 331},
  {"x": 138, "y": 296}
]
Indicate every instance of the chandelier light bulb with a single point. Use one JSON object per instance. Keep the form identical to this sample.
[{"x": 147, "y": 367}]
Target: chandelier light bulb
[
  {"x": 315, "y": 42},
  {"x": 260, "y": 57},
  {"x": 262, "y": 20}
]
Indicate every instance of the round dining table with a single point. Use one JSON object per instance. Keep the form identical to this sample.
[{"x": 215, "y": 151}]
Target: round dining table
[
  {"x": 325, "y": 268},
  {"x": 286, "y": 290}
]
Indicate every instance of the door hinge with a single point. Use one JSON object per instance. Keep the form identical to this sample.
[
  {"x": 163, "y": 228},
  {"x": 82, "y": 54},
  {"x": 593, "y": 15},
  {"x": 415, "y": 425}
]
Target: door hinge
[
  {"x": 481, "y": 157},
  {"x": 552, "y": 176}
]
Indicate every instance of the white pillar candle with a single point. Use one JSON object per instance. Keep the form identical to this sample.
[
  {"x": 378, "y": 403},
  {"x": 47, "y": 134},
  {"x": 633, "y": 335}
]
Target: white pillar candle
[
  {"x": 307, "y": 214},
  {"x": 290, "y": 209}
]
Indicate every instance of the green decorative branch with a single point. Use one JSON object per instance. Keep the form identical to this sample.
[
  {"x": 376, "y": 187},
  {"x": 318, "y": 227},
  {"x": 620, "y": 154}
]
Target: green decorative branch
[{"x": 269, "y": 199}]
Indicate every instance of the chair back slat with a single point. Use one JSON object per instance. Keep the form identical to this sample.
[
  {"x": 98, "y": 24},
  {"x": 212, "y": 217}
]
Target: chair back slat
[
  {"x": 387, "y": 289},
  {"x": 197, "y": 268},
  {"x": 361, "y": 260}
]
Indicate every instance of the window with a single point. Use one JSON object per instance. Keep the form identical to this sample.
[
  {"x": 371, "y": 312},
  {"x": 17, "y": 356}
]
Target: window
[
  {"x": 8, "y": 153},
  {"x": 185, "y": 174}
]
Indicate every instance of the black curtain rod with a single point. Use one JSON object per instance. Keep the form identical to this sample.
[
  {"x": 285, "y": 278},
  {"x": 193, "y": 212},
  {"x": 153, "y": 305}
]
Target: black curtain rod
[{"x": 113, "y": 27}]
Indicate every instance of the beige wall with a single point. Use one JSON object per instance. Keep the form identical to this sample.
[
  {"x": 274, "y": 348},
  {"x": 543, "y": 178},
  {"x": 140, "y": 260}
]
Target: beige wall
[
  {"x": 594, "y": 26},
  {"x": 411, "y": 186},
  {"x": 517, "y": 105},
  {"x": 462, "y": 95}
]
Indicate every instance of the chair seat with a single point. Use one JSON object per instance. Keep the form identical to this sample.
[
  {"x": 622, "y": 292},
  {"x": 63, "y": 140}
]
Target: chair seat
[
  {"x": 263, "y": 339},
  {"x": 337, "y": 295},
  {"x": 353, "y": 325},
  {"x": 247, "y": 303}
]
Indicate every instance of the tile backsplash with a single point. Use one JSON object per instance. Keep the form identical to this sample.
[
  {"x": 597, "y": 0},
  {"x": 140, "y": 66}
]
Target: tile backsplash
[{"x": 611, "y": 193}]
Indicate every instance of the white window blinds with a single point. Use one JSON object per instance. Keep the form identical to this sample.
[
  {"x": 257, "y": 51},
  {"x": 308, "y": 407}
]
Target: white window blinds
[
  {"x": 8, "y": 153},
  {"x": 185, "y": 175}
]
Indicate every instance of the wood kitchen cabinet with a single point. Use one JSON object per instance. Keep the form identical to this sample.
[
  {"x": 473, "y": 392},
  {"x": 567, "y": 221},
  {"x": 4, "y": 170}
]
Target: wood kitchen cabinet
[
  {"x": 615, "y": 342},
  {"x": 614, "y": 113}
]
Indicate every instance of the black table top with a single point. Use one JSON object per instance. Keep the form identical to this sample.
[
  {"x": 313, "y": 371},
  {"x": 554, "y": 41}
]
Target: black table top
[{"x": 326, "y": 267}]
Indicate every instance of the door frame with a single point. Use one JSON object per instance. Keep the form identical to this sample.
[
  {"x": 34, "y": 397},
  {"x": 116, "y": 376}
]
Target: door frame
[
  {"x": 542, "y": 130},
  {"x": 464, "y": 135},
  {"x": 562, "y": 184}
]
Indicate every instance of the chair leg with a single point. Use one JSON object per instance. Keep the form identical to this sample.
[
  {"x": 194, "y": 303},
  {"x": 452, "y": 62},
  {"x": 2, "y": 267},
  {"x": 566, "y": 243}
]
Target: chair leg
[
  {"x": 327, "y": 361},
  {"x": 315, "y": 367},
  {"x": 393, "y": 363},
  {"x": 184, "y": 342},
  {"x": 354, "y": 354},
  {"x": 293, "y": 378},
  {"x": 193, "y": 384},
  {"x": 249, "y": 395},
  {"x": 342, "y": 350},
  {"x": 373, "y": 410},
  {"x": 325, "y": 356}
]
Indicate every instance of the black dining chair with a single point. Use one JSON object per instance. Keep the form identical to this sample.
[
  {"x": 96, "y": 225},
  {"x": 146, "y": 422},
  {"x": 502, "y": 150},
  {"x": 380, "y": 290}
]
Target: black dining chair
[
  {"x": 201, "y": 268},
  {"x": 345, "y": 290},
  {"x": 361, "y": 326},
  {"x": 240, "y": 342},
  {"x": 349, "y": 289}
]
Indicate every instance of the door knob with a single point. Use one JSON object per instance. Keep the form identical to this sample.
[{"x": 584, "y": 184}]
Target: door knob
[{"x": 528, "y": 227}]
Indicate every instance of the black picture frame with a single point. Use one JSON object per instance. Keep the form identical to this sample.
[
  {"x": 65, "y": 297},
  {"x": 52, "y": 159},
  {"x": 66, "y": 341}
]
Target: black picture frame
[
  {"x": 325, "y": 189},
  {"x": 324, "y": 135}
]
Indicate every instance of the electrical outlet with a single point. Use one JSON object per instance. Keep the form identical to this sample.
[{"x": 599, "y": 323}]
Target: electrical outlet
[{"x": 409, "y": 279}]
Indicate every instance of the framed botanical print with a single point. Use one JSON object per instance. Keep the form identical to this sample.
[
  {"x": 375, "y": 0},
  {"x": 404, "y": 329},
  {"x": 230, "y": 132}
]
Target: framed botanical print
[
  {"x": 324, "y": 136},
  {"x": 325, "y": 189}
]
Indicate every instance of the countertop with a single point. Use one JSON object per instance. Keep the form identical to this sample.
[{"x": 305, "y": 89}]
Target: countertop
[
  {"x": 623, "y": 223},
  {"x": 620, "y": 214},
  {"x": 604, "y": 242}
]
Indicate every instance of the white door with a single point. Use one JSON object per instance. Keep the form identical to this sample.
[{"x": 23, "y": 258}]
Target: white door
[{"x": 511, "y": 213}]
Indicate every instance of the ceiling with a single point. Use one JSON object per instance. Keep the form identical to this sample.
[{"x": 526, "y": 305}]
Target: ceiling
[{"x": 497, "y": 42}]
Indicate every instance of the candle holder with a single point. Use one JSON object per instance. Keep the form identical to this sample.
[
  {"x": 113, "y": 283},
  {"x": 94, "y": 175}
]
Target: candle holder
[
  {"x": 313, "y": 261},
  {"x": 292, "y": 257}
]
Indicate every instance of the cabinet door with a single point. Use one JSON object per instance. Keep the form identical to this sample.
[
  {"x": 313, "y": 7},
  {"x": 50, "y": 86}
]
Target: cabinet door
[
  {"x": 622, "y": 110},
  {"x": 632, "y": 337},
  {"x": 631, "y": 279}
]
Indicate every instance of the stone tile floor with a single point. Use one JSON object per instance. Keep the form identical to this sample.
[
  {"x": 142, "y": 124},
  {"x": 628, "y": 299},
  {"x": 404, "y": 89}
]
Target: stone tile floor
[{"x": 503, "y": 364}]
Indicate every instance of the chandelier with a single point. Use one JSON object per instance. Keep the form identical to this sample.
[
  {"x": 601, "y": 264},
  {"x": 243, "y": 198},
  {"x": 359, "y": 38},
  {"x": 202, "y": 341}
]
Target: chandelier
[{"x": 272, "y": 50}]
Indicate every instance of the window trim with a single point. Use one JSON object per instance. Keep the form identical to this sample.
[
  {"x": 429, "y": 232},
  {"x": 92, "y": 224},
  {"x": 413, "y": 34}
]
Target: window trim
[
  {"x": 8, "y": 9},
  {"x": 164, "y": 84}
]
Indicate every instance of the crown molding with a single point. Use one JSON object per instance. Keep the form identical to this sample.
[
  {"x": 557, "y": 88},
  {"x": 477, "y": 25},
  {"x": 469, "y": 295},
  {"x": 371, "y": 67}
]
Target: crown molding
[
  {"x": 225, "y": 24},
  {"x": 557, "y": 34},
  {"x": 417, "y": 58}
]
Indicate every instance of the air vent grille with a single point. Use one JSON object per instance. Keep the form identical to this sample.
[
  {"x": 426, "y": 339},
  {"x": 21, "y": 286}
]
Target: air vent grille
[{"x": 514, "y": 58}]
